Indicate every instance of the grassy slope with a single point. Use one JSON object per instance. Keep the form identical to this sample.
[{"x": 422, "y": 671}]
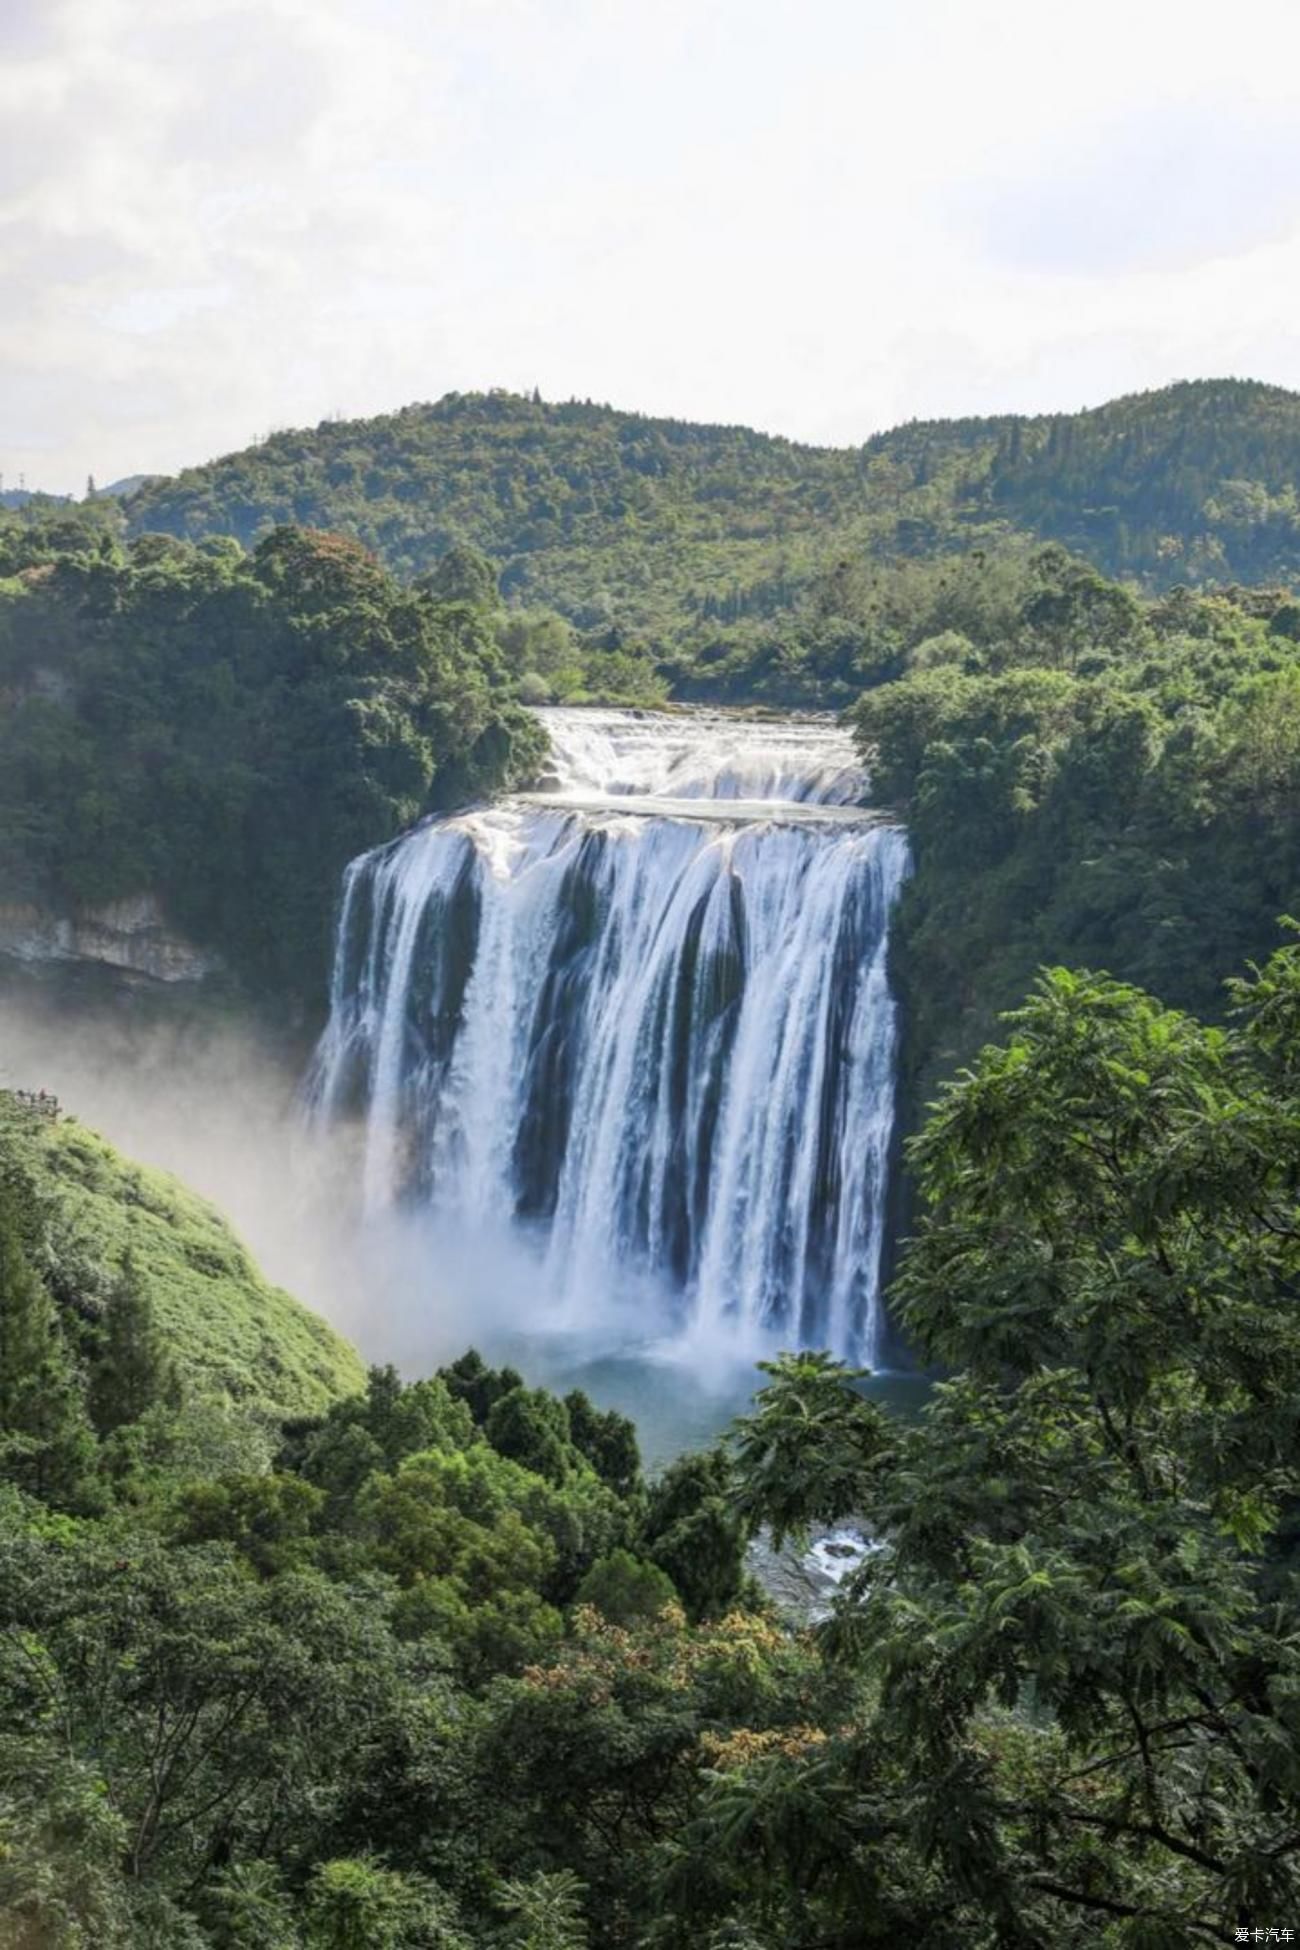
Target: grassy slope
[{"x": 231, "y": 1332}]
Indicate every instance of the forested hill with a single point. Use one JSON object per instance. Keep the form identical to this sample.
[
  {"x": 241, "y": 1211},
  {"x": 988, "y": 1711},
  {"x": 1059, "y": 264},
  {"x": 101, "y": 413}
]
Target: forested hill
[
  {"x": 112, "y": 1241},
  {"x": 1193, "y": 483},
  {"x": 223, "y": 732},
  {"x": 673, "y": 530}
]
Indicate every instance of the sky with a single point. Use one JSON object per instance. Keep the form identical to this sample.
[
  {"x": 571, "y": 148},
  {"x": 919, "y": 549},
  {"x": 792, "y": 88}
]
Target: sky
[{"x": 816, "y": 217}]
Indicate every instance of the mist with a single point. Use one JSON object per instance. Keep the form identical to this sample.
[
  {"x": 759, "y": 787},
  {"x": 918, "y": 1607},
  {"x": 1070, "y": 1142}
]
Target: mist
[{"x": 217, "y": 1102}]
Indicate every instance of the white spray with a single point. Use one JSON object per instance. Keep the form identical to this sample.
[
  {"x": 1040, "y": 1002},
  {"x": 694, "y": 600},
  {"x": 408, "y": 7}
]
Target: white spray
[{"x": 640, "y": 1020}]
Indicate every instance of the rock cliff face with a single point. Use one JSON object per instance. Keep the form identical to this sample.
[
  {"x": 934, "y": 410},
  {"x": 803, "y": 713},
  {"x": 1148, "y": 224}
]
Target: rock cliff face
[{"x": 129, "y": 934}]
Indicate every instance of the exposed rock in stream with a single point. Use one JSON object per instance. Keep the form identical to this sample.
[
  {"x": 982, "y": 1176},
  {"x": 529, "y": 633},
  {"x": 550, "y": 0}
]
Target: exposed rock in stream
[{"x": 803, "y": 1582}]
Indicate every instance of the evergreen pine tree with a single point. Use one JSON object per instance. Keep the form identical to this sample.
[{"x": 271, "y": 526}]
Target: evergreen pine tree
[
  {"x": 46, "y": 1446},
  {"x": 26, "y": 1321},
  {"x": 131, "y": 1372}
]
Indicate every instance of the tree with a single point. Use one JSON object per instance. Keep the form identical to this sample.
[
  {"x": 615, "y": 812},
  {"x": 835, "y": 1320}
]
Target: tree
[
  {"x": 405, "y": 1418},
  {"x": 623, "y": 1588},
  {"x": 532, "y": 1428},
  {"x": 45, "y": 1444},
  {"x": 534, "y": 689},
  {"x": 131, "y": 1371},
  {"x": 223, "y": 1715},
  {"x": 596, "y": 1759},
  {"x": 27, "y": 1328},
  {"x": 360, "y": 1905},
  {"x": 250, "y": 1909},
  {"x": 693, "y": 1532},
  {"x": 546, "y": 1912},
  {"x": 470, "y": 1380},
  {"x": 608, "y": 1441},
  {"x": 808, "y": 1410},
  {"x": 60, "y": 1845},
  {"x": 267, "y": 1518},
  {"x": 1082, "y": 1627},
  {"x": 465, "y": 575},
  {"x": 195, "y": 698}
]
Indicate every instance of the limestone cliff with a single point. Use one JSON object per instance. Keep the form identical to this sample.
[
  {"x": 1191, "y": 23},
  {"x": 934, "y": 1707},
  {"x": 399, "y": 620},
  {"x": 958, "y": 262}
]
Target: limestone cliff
[{"x": 128, "y": 934}]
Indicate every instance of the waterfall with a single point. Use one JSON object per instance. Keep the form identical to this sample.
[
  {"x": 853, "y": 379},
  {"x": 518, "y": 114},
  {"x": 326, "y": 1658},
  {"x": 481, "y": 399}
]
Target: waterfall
[{"x": 641, "y": 1019}]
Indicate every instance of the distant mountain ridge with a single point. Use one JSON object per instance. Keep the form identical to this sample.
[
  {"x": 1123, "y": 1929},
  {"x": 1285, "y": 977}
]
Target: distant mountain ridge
[
  {"x": 658, "y": 523},
  {"x": 14, "y": 498},
  {"x": 131, "y": 484}
]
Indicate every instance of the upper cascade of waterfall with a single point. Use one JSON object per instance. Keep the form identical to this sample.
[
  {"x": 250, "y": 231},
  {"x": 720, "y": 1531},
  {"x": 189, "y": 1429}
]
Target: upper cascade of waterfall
[
  {"x": 661, "y": 755},
  {"x": 639, "y": 1023}
]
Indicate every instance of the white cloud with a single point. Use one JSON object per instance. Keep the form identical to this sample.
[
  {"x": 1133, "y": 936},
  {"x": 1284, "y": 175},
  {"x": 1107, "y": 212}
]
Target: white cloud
[
  {"x": 818, "y": 217},
  {"x": 1152, "y": 191}
]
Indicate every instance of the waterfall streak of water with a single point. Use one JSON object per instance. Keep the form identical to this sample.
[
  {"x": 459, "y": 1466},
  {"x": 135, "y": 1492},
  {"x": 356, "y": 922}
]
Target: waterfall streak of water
[{"x": 662, "y": 1042}]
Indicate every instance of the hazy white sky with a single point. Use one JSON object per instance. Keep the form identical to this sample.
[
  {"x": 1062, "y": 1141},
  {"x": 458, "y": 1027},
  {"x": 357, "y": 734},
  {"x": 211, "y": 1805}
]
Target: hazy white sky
[{"x": 815, "y": 216}]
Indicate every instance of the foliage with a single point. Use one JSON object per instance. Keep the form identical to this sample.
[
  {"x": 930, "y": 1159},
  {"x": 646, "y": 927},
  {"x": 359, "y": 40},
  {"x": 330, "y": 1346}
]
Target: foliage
[
  {"x": 607, "y": 1440},
  {"x": 1081, "y": 1632},
  {"x": 106, "y": 1231},
  {"x": 45, "y": 1442},
  {"x": 360, "y": 1905},
  {"x": 404, "y": 1688},
  {"x": 132, "y": 1370},
  {"x": 798, "y": 1408},
  {"x": 546, "y": 1912},
  {"x": 601, "y": 1753},
  {"x": 168, "y": 711},
  {"x": 470, "y": 1380},
  {"x": 1080, "y": 768},
  {"x": 694, "y": 1535},
  {"x": 726, "y": 558},
  {"x": 1099, "y": 781},
  {"x": 533, "y": 1428},
  {"x": 623, "y": 1588},
  {"x": 417, "y": 1683}
]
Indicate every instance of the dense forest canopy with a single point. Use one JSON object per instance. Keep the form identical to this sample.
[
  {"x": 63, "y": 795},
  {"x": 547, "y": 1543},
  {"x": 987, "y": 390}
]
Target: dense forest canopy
[
  {"x": 448, "y": 1673},
  {"x": 227, "y": 730},
  {"x": 694, "y": 536},
  {"x": 1086, "y": 776},
  {"x": 1086, "y": 771}
]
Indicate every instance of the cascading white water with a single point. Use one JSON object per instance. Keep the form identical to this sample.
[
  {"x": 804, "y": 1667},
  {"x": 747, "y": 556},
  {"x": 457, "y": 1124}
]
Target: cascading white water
[{"x": 642, "y": 1018}]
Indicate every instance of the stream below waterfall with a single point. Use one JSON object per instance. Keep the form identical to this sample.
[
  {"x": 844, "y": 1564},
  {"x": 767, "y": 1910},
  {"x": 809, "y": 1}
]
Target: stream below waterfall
[{"x": 618, "y": 1054}]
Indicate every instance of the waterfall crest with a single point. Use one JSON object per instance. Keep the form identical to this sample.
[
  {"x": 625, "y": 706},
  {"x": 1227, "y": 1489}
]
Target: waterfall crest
[{"x": 642, "y": 1018}]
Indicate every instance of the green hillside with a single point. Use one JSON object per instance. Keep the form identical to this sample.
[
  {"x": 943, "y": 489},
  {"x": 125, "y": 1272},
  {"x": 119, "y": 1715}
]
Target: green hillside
[
  {"x": 1194, "y": 483},
  {"x": 169, "y": 713},
  {"x": 683, "y": 531},
  {"x": 230, "y": 1334}
]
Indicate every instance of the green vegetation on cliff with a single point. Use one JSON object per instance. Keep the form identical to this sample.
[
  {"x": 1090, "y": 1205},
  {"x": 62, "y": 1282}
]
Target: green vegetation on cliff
[
  {"x": 169, "y": 708},
  {"x": 227, "y": 731},
  {"x": 1088, "y": 772},
  {"x": 1087, "y": 777},
  {"x": 232, "y": 1338}
]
